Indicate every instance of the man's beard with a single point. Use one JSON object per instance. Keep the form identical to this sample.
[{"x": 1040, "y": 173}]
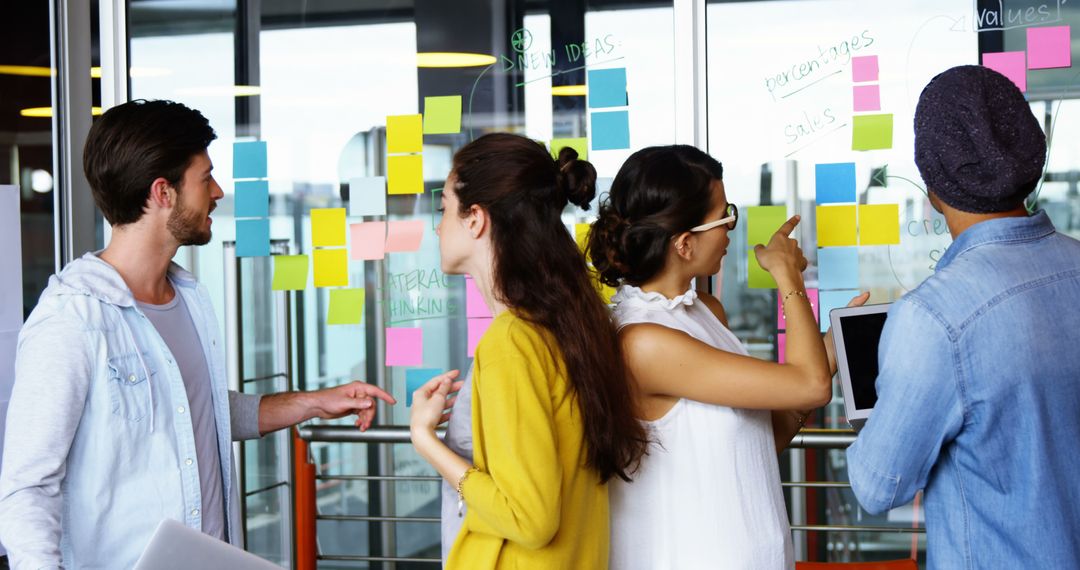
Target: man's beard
[{"x": 187, "y": 226}]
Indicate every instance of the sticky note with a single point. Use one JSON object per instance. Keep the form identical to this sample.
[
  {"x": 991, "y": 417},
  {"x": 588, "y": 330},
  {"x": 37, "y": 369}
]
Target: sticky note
[
  {"x": 476, "y": 329},
  {"x": 830, "y": 300},
  {"x": 607, "y": 87},
  {"x": 836, "y": 226},
  {"x": 762, "y": 222},
  {"x": 405, "y": 174},
  {"x": 781, "y": 317},
  {"x": 474, "y": 301},
  {"x": 835, "y": 183},
  {"x": 404, "y": 346},
  {"x": 581, "y": 235},
  {"x": 404, "y": 133},
  {"x": 252, "y": 238},
  {"x": 758, "y": 278},
  {"x": 249, "y": 159},
  {"x": 879, "y": 224},
  {"x": 866, "y": 98},
  {"x": 1049, "y": 47},
  {"x": 252, "y": 199},
  {"x": 442, "y": 115},
  {"x": 331, "y": 267},
  {"x": 415, "y": 378},
  {"x": 838, "y": 268},
  {"x": 367, "y": 196},
  {"x": 581, "y": 145},
  {"x": 290, "y": 273},
  {"x": 610, "y": 130},
  {"x": 864, "y": 68},
  {"x": 328, "y": 227},
  {"x": 871, "y": 132},
  {"x": 781, "y": 348},
  {"x": 404, "y": 236},
  {"x": 367, "y": 240},
  {"x": 1011, "y": 64},
  {"x": 346, "y": 307}
]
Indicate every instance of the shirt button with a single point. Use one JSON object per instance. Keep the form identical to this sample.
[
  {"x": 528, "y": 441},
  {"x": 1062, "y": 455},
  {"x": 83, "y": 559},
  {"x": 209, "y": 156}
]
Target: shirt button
[
  {"x": 187, "y": 462},
  {"x": 194, "y": 512},
  {"x": 131, "y": 378},
  {"x": 180, "y": 409}
]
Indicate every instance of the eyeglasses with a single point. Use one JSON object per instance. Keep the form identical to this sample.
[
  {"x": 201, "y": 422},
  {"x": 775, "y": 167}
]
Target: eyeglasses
[{"x": 731, "y": 218}]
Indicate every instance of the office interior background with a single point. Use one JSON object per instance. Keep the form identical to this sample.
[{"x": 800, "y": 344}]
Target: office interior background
[{"x": 773, "y": 89}]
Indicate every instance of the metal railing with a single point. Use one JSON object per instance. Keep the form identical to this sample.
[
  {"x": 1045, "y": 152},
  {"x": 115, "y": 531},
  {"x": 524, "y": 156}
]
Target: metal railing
[{"x": 815, "y": 439}]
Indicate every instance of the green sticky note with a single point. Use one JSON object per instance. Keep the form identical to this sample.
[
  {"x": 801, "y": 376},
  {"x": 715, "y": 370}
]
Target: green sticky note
[
  {"x": 328, "y": 227},
  {"x": 581, "y": 145},
  {"x": 759, "y": 278},
  {"x": 871, "y": 132},
  {"x": 404, "y": 134},
  {"x": 346, "y": 307},
  {"x": 290, "y": 272},
  {"x": 442, "y": 115},
  {"x": 762, "y": 222}
]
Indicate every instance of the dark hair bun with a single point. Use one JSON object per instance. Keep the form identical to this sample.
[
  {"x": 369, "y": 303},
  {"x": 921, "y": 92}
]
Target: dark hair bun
[{"x": 576, "y": 178}]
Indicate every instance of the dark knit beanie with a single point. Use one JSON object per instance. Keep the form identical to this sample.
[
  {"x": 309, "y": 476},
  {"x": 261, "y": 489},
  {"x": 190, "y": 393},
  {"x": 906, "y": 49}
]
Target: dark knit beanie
[{"x": 977, "y": 145}]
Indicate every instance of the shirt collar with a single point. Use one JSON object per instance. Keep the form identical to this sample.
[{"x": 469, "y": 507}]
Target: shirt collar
[{"x": 1032, "y": 227}]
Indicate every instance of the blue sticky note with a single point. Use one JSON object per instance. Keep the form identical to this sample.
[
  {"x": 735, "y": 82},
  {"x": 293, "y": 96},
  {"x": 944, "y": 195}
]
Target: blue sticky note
[
  {"x": 607, "y": 87},
  {"x": 835, "y": 183},
  {"x": 252, "y": 238},
  {"x": 252, "y": 199},
  {"x": 610, "y": 130},
  {"x": 249, "y": 159},
  {"x": 838, "y": 268},
  {"x": 829, "y": 300},
  {"x": 415, "y": 378}
]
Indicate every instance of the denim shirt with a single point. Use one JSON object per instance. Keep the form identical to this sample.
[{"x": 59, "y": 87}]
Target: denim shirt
[
  {"x": 979, "y": 401},
  {"x": 99, "y": 445}
]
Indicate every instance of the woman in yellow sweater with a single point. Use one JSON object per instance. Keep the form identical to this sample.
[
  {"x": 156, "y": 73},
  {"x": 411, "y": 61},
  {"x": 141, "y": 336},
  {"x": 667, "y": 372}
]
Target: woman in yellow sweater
[{"x": 549, "y": 391}]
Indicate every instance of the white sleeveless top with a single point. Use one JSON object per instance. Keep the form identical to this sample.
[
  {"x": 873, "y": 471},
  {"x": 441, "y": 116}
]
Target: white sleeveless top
[{"x": 708, "y": 493}]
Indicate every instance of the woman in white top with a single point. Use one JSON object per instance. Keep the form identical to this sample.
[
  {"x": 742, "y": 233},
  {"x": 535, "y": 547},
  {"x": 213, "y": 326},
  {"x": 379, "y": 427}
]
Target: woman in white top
[{"x": 708, "y": 493}]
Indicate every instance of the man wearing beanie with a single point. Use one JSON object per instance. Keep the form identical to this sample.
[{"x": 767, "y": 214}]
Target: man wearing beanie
[{"x": 979, "y": 383}]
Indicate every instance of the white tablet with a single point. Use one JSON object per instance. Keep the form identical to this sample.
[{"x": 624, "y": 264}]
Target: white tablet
[
  {"x": 174, "y": 546},
  {"x": 856, "y": 334}
]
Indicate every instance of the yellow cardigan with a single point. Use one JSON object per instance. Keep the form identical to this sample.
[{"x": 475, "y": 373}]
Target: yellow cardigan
[{"x": 533, "y": 503}]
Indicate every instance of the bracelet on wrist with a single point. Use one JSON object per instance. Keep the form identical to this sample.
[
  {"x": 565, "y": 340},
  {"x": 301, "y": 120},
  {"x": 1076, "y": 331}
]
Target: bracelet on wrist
[
  {"x": 783, "y": 302},
  {"x": 460, "y": 488}
]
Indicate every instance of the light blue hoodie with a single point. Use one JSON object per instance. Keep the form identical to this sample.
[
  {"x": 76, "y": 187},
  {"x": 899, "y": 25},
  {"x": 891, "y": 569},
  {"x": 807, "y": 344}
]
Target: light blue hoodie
[{"x": 99, "y": 445}]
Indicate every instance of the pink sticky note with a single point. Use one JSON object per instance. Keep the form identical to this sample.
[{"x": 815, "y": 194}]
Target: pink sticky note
[
  {"x": 781, "y": 347},
  {"x": 477, "y": 328},
  {"x": 474, "y": 301},
  {"x": 1049, "y": 47},
  {"x": 867, "y": 97},
  {"x": 781, "y": 322},
  {"x": 404, "y": 346},
  {"x": 1011, "y": 64},
  {"x": 404, "y": 236},
  {"x": 367, "y": 240},
  {"x": 864, "y": 68}
]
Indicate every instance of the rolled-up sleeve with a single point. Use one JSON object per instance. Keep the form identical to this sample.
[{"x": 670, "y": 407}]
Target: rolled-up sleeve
[
  {"x": 244, "y": 415},
  {"x": 919, "y": 410}
]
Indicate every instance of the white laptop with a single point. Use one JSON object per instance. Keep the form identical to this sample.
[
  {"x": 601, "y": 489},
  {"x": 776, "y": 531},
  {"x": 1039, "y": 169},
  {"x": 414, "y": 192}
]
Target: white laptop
[
  {"x": 856, "y": 334},
  {"x": 174, "y": 546}
]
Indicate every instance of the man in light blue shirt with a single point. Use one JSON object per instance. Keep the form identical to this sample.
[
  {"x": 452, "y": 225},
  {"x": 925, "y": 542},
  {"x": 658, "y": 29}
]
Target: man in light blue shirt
[
  {"x": 121, "y": 414},
  {"x": 979, "y": 384}
]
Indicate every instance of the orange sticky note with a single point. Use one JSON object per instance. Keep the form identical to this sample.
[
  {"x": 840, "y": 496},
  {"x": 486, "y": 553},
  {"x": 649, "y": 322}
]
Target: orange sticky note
[
  {"x": 331, "y": 267},
  {"x": 328, "y": 227},
  {"x": 404, "y": 133},
  {"x": 879, "y": 224},
  {"x": 836, "y": 226},
  {"x": 405, "y": 174}
]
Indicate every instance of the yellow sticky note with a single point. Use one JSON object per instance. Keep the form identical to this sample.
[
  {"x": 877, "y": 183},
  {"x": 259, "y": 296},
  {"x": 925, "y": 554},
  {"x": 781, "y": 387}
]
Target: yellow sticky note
[
  {"x": 879, "y": 224},
  {"x": 759, "y": 278},
  {"x": 581, "y": 145},
  {"x": 346, "y": 307},
  {"x": 442, "y": 115},
  {"x": 404, "y": 133},
  {"x": 290, "y": 272},
  {"x": 405, "y": 174},
  {"x": 836, "y": 226},
  {"x": 581, "y": 235},
  {"x": 328, "y": 227},
  {"x": 331, "y": 267}
]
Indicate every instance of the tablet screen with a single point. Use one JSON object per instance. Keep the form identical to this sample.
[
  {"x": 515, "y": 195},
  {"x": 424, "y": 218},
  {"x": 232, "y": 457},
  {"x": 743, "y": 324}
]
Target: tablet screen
[{"x": 861, "y": 336}]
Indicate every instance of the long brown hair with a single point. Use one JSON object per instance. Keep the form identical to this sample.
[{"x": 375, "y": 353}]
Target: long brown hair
[{"x": 540, "y": 274}]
